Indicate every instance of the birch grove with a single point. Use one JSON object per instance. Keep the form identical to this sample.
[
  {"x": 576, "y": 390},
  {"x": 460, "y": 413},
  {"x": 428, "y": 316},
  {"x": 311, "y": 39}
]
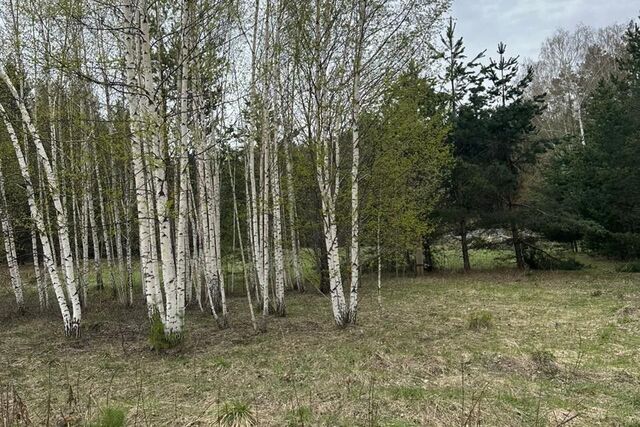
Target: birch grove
[{"x": 171, "y": 138}]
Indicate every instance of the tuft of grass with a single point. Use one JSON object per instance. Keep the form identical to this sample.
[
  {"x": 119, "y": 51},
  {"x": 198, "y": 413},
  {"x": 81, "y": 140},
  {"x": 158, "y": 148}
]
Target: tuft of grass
[
  {"x": 408, "y": 393},
  {"x": 299, "y": 417},
  {"x": 606, "y": 333},
  {"x": 545, "y": 361},
  {"x": 158, "y": 340},
  {"x": 220, "y": 363},
  {"x": 480, "y": 320},
  {"x": 110, "y": 417},
  {"x": 236, "y": 414}
]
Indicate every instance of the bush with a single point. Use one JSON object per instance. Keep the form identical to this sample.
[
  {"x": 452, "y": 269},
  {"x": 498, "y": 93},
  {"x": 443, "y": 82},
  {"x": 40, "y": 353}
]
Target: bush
[
  {"x": 158, "y": 339},
  {"x": 631, "y": 267},
  {"x": 236, "y": 414},
  {"x": 110, "y": 417},
  {"x": 621, "y": 246},
  {"x": 539, "y": 260},
  {"x": 480, "y": 320}
]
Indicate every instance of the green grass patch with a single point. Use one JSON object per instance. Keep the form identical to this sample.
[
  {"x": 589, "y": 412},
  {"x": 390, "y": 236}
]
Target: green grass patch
[{"x": 523, "y": 346}]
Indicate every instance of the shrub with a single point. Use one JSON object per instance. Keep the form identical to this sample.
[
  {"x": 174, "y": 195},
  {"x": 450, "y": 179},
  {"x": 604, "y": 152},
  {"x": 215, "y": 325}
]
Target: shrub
[
  {"x": 630, "y": 267},
  {"x": 539, "y": 260},
  {"x": 158, "y": 339},
  {"x": 480, "y": 320},
  {"x": 236, "y": 414}
]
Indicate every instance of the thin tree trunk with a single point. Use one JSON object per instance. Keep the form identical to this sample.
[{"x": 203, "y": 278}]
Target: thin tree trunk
[
  {"x": 182, "y": 245},
  {"x": 379, "y": 259},
  {"x": 355, "y": 164},
  {"x": 158, "y": 174},
  {"x": 63, "y": 231},
  {"x": 146, "y": 230},
  {"x": 278, "y": 256},
  {"x": 97, "y": 264},
  {"x": 105, "y": 229},
  {"x": 295, "y": 241},
  {"x": 40, "y": 283},
  {"x": 517, "y": 246},
  {"x": 10, "y": 246},
  {"x": 254, "y": 323},
  {"x": 36, "y": 216},
  {"x": 465, "y": 245},
  {"x": 84, "y": 218}
]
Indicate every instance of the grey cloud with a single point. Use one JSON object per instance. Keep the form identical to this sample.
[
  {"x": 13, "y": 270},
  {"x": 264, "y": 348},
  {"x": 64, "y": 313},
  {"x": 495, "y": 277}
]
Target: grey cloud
[{"x": 524, "y": 24}]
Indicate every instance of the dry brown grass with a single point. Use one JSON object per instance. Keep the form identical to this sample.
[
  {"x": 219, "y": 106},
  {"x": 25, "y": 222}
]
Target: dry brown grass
[{"x": 416, "y": 362}]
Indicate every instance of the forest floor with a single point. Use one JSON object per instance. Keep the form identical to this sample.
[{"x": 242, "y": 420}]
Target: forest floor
[{"x": 496, "y": 347}]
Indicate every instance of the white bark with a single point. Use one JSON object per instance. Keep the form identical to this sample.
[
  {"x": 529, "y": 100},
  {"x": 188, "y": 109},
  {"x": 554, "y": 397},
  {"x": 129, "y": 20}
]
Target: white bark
[
  {"x": 232, "y": 177},
  {"x": 84, "y": 218},
  {"x": 330, "y": 229},
  {"x": 145, "y": 226},
  {"x": 295, "y": 242},
  {"x": 182, "y": 244},
  {"x": 10, "y": 246},
  {"x": 278, "y": 256},
  {"x": 38, "y": 219},
  {"x": 40, "y": 283},
  {"x": 379, "y": 259},
  {"x": 158, "y": 173},
  {"x": 93, "y": 222},
  {"x": 355, "y": 165},
  {"x": 63, "y": 232}
]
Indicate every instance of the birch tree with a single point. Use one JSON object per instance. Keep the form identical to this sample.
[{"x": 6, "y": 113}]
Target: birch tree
[
  {"x": 37, "y": 217},
  {"x": 10, "y": 246},
  {"x": 61, "y": 218}
]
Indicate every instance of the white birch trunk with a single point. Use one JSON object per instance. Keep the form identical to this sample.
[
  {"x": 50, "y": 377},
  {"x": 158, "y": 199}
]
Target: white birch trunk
[
  {"x": 36, "y": 216},
  {"x": 146, "y": 231},
  {"x": 40, "y": 283},
  {"x": 379, "y": 259},
  {"x": 160, "y": 185},
  {"x": 128, "y": 250},
  {"x": 122, "y": 282},
  {"x": 247, "y": 287},
  {"x": 264, "y": 224},
  {"x": 66, "y": 254},
  {"x": 278, "y": 256},
  {"x": 10, "y": 246},
  {"x": 97, "y": 263},
  {"x": 355, "y": 164},
  {"x": 84, "y": 218},
  {"x": 212, "y": 171},
  {"x": 330, "y": 230},
  {"x": 182, "y": 247}
]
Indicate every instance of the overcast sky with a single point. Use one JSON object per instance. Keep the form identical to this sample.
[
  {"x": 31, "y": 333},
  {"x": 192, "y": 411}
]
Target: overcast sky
[{"x": 524, "y": 24}]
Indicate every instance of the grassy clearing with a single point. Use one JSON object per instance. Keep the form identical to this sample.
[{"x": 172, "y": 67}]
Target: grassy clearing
[{"x": 557, "y": 346}]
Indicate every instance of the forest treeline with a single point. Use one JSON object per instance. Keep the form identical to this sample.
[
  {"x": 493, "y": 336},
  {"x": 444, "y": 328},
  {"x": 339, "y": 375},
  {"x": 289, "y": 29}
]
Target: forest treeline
[{"x": 149, "y": 147}]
